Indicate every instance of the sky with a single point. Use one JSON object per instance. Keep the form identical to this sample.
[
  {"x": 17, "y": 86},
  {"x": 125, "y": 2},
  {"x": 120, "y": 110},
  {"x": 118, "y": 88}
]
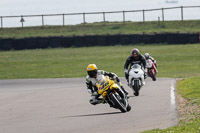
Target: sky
[
  {"x": 32, "y": 7},
  {"x": 39, "y": 7}
]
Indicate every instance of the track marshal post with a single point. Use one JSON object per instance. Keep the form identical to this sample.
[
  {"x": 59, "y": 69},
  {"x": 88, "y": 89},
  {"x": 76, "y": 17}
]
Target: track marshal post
[{"x": 22, "y": 21}]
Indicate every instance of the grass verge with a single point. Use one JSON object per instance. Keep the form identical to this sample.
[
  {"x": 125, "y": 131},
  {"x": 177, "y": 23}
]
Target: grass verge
[
  {"x": 102, "y": 29},
  {"x": 189, "y": 108}
]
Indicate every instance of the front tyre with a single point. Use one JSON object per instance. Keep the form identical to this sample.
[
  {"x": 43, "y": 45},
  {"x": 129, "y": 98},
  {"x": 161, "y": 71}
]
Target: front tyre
[
  {"x": 136, "y": 87},
  {"x": 117, "y": 103},
  {"x": 153, "y": 76},
  {"x": 128, "y": 108}
]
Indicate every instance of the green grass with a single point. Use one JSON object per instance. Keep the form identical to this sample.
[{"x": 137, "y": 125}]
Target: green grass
[
  {"x": 102, "y": 29},
  {"x": 190, "y": 127},
  {"x": 173, "y": 61},
  {"x": 190, "y": 90}
]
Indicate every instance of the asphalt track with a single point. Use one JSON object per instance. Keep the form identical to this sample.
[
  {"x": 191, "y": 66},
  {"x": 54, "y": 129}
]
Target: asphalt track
[{"x": 61, "y": 106}]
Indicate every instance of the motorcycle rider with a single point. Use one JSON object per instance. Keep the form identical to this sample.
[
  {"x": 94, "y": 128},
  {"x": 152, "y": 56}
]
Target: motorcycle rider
[
  {"x": 92, "y": 78},
  {"x": 147, "y": 56},
  {"x": 134, "y": 58}
]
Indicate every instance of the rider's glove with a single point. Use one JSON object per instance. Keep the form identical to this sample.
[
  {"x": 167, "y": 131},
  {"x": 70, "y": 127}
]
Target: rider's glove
[
  {"x": 117, "y": 79},
  {"x": 126, "y": 71}
]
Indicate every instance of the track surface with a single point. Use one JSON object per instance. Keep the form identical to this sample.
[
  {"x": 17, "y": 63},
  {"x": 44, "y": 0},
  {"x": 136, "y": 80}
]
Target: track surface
[{"x": 61, "y": 106}]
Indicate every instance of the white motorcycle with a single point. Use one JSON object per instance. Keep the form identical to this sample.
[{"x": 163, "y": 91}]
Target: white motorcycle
[{"x": 136, "y": 78}]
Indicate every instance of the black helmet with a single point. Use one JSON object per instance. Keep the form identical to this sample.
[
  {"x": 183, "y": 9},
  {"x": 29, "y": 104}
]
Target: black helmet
[{"x": 135, "y": 52}]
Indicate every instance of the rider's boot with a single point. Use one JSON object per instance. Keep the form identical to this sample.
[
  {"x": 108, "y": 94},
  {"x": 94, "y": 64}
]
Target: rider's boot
[
  {"x": 145, "y": 75},
  {"x": 126, "y": 76},
  {"x": 93, "y": 99},
  {"x": 127, "y": 82}
]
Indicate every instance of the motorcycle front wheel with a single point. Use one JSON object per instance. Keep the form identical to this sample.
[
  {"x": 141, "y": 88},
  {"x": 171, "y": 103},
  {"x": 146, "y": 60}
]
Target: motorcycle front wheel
[
  {"x": 136, "y": 87},
  {"x": 128, "y": 108},
  {"x": 153, "y": 76},
  {"x": 117, "y": 103}
]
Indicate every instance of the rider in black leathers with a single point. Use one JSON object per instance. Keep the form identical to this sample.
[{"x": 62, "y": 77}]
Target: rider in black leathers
[{"x": 134, "y": 58}]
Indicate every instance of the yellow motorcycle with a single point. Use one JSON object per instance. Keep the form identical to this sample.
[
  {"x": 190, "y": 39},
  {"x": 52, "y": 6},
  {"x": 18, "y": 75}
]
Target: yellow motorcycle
[{"x": 112, "y": 94}]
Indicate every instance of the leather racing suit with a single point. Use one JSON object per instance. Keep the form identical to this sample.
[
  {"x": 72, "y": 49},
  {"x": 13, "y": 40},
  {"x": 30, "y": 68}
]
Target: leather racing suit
[
  {"x": 134, "y": 60},
  {"x": 93, "y": 90}
]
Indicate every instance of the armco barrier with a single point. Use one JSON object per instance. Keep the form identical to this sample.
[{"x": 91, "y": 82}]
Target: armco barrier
[{"x": 97, "y": 40}]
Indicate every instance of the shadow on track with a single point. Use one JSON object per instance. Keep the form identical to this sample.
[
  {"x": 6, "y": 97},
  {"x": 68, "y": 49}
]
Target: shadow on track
[
  {"x": 112, "y": 113},
  {"x": 131, "y": 96}
]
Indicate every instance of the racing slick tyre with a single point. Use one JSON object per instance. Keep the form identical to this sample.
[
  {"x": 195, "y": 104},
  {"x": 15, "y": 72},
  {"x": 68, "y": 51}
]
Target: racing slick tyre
[
  {"x": 117, "y": 103},
  {"x": 136, "y": 87},
  {"x": 153, "y": 76}
]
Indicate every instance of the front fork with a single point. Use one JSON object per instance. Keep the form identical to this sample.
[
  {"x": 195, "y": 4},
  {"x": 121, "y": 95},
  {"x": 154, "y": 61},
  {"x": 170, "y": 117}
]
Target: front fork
[
  {"x": 141, "y": 82},
  {"x": 119, "y": 92}
]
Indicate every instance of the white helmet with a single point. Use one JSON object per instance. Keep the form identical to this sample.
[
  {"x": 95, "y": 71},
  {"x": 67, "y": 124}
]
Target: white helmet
[{"x": 146, "y": 55}]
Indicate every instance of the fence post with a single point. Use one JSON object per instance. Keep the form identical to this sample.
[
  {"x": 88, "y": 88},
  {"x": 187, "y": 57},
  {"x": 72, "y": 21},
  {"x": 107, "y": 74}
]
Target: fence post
[
  {"x": 163, "y": 17},
  {"x": 63, "y": 19},
  {"x": 1, "y": 22},
  {"x": 143, "y": 15},
  {"x": 124, "y": 17},
  {"x": 42, "y": 20},
  {"x": 104, "y": 18},
  {"x": 83, "y": 18},
  {"x": 182, "y": 13}
]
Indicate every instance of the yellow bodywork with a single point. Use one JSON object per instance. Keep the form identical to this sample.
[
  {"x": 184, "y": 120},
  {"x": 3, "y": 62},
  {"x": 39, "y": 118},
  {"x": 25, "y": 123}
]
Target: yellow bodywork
[{"x": 108, "y": 84}]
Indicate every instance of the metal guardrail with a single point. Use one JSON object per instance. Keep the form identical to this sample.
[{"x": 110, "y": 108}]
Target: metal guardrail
[{"x": 22, "y": 17}]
